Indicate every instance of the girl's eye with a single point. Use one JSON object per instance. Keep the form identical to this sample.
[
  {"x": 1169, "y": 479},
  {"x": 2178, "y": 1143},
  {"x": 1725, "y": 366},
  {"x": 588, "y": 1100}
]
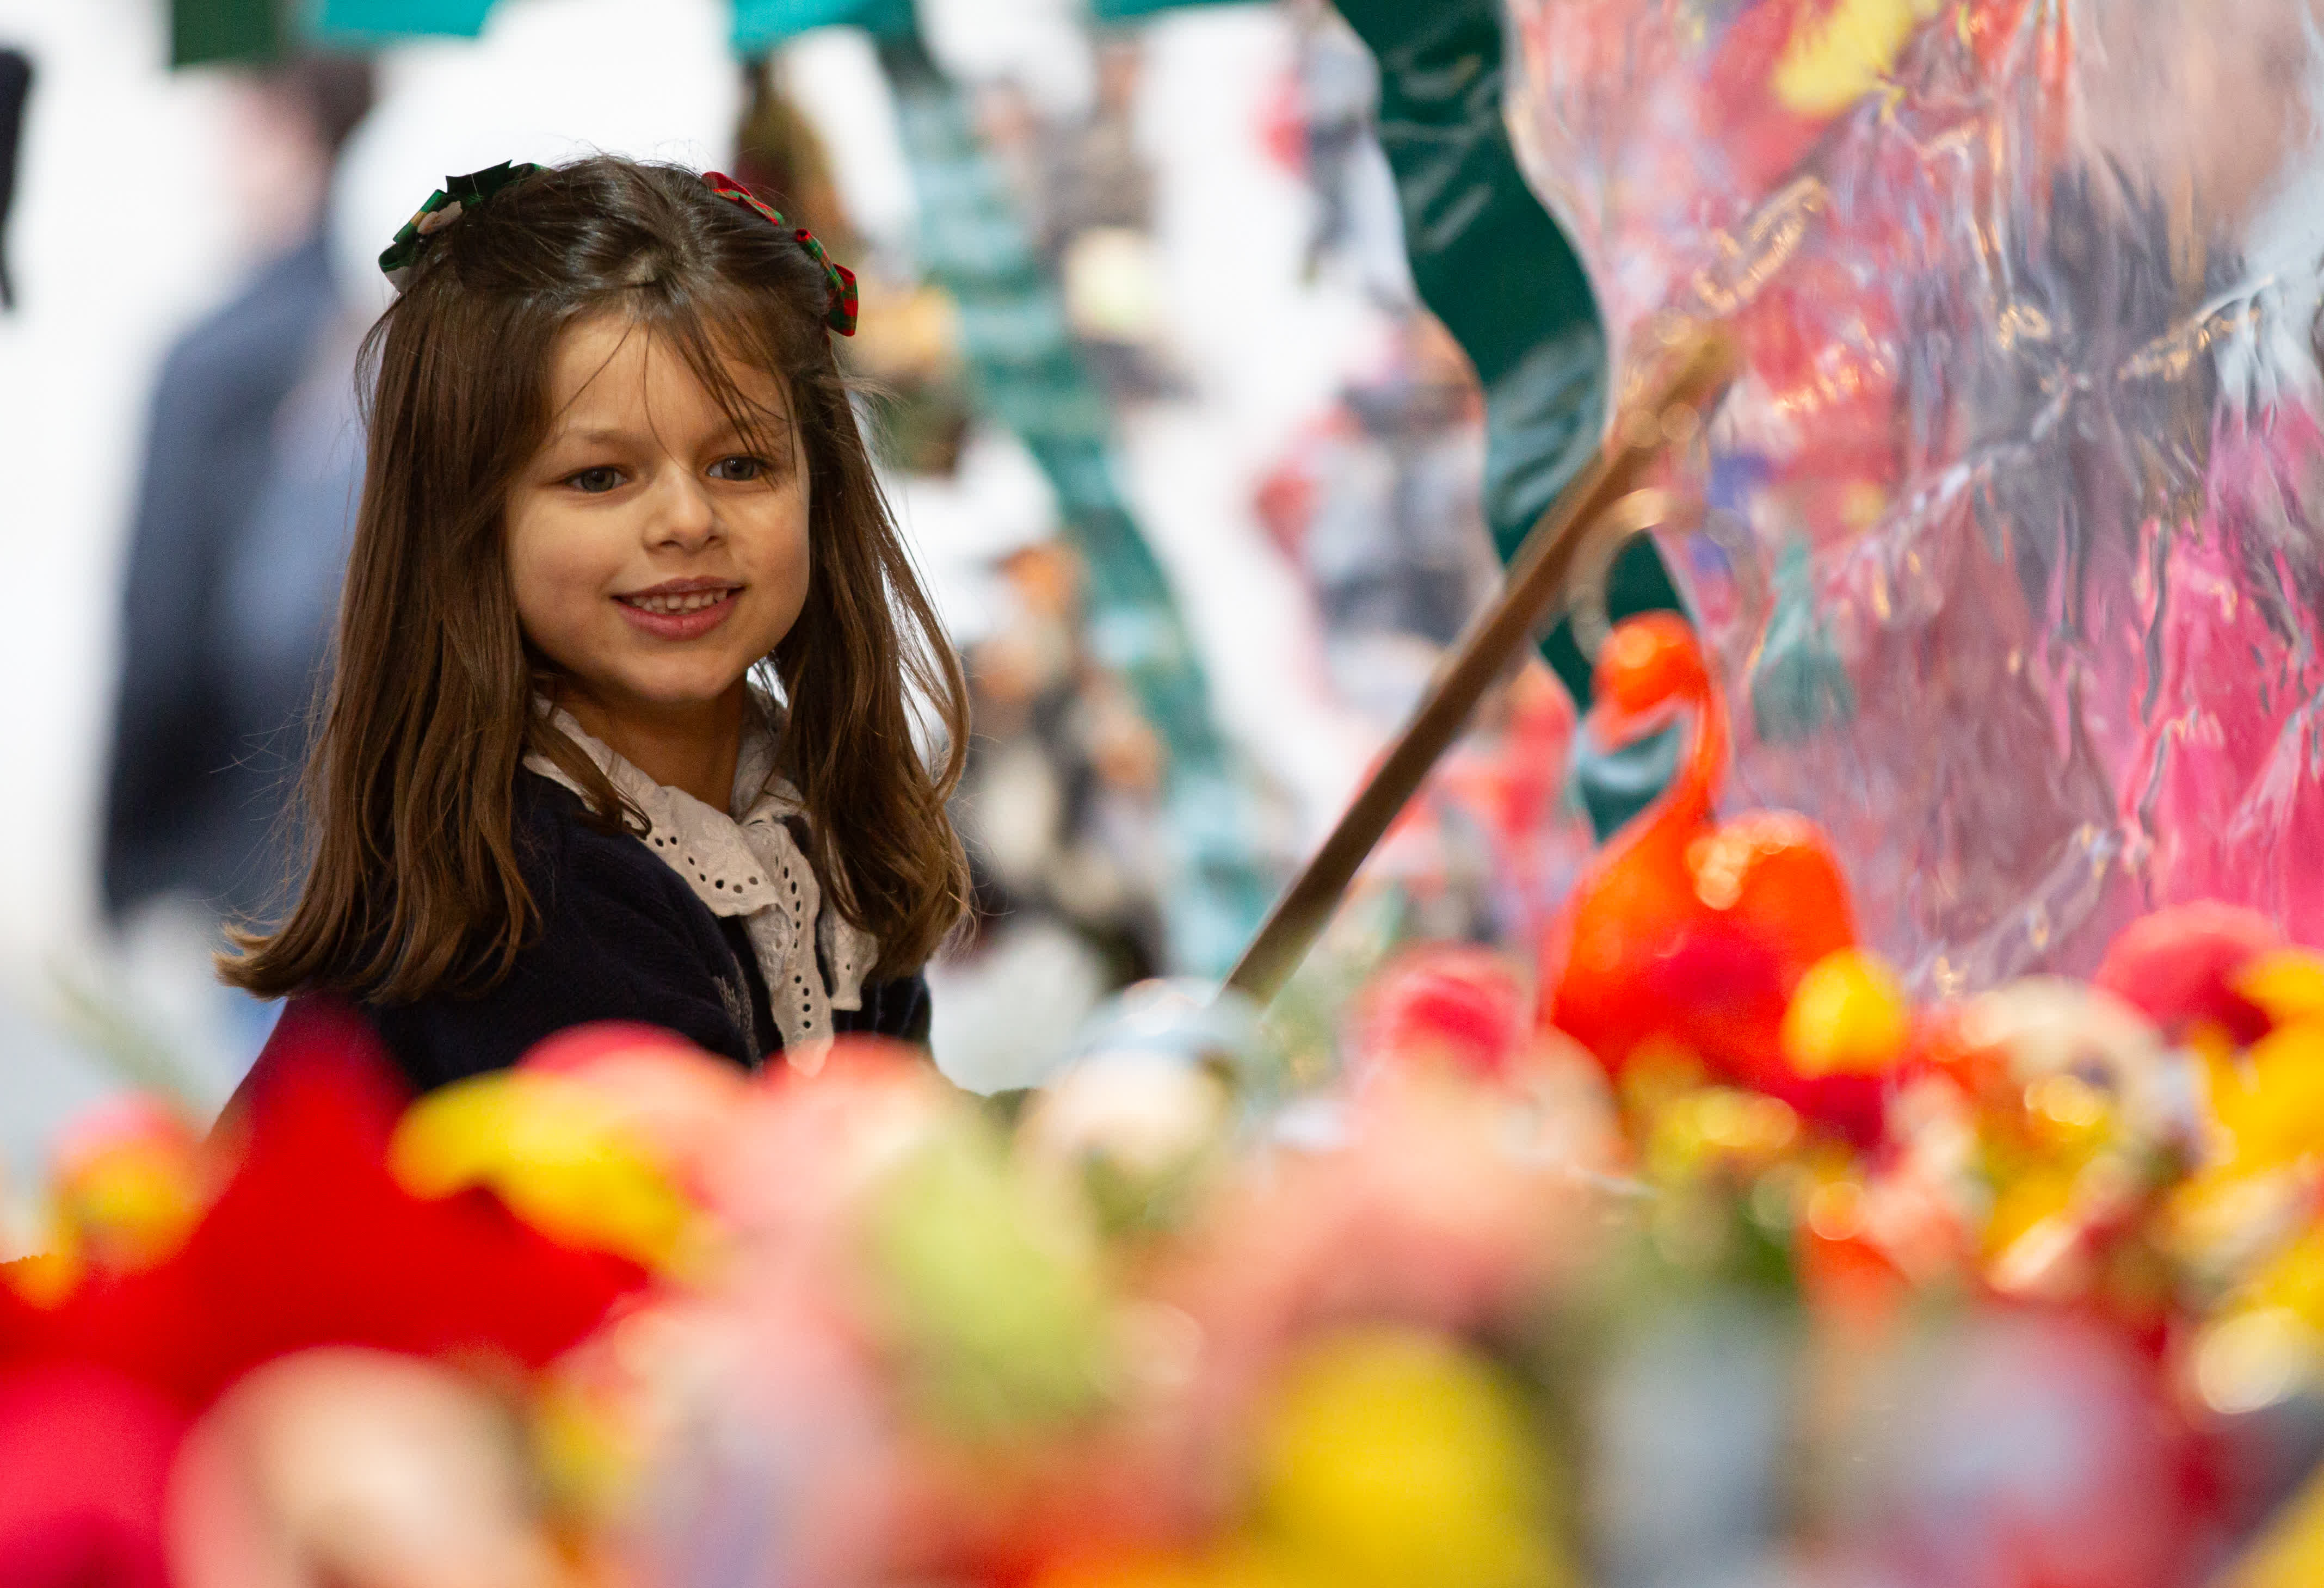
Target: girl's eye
[
  {"x": 595, "y": 481},
  {"x": 738, "y": 469}
]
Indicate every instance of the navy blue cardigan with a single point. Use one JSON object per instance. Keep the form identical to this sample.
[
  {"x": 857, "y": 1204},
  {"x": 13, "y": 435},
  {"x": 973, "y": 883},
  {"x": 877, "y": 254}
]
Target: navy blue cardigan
[{"x": 621, "y": 937}]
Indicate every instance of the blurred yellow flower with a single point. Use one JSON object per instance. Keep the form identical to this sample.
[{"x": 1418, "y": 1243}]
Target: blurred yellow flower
[
  {"x": 1847, "y": 1017},
  {"x": 556, "y": 1152},
  {"x": 1397, "y": 1459}
]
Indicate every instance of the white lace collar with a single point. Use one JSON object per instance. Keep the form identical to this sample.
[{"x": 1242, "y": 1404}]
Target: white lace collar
[{"x": 749, "y": 864}]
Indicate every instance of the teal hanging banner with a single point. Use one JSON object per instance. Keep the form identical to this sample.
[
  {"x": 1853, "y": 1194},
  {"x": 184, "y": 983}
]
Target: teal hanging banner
[
  {"x": 761, "y": 25},
  {"x": 1124, "y": 10},
  {"x": 356, "y": 20}
]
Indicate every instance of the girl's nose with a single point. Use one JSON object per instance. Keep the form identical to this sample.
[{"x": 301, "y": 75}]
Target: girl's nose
[{"x": 683, "y": 516}]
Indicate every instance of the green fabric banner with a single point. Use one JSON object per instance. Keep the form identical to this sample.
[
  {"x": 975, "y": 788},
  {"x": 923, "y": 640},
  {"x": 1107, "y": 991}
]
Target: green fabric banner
[
  {"x": 237, "y": 32},
  {"x": 1502, "y": 275},
  {"x": 1025, "y": 374}
]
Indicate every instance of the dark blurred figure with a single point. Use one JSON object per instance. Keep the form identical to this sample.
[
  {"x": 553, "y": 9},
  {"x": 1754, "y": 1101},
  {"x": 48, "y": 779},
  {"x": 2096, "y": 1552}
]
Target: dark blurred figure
[
  {"x": 1337, "y": 91},
  {"x": 1377, "y": 505},
  {"x": 1059, "y": 806},
  {"x": 15, "y": 88},
  {"x": 241, "y": 525}
]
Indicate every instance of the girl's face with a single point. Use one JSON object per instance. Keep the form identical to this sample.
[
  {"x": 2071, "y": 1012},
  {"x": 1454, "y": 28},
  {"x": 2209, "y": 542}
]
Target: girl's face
[{"x": 657, "y": 553}]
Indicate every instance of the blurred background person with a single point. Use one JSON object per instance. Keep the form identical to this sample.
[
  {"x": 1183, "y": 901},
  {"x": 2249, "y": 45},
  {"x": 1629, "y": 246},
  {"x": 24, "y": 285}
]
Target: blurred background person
[
  {"x": 235, "y": 554},
  {"x": 1377, "y": 504},
  {"x": 1062, "y": 811},
  {"x": 16, "y": 89},
  {"x": 1327, "y": 125}
]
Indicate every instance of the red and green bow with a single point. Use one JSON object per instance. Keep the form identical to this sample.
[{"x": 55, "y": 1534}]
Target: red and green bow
[
  {"x": 454, "y": 198},
  {"x": 841, "y": 316}
]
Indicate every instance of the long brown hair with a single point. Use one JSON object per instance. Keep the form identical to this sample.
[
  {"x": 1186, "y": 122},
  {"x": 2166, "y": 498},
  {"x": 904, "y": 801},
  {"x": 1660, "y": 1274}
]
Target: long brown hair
[{"x": 414, "y": 885}]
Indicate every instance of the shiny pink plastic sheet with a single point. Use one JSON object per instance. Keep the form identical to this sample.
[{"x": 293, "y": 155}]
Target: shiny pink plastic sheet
[{"x": 2016, "y": 550}]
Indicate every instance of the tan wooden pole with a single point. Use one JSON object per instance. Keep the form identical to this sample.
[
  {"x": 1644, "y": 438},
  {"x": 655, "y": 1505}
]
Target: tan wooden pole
[{"x": 1679, "y": 388}]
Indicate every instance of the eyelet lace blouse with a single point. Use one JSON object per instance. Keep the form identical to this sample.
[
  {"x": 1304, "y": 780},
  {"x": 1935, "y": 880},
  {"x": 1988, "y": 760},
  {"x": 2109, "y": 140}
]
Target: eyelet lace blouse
[{"x": 750, "y": 865}]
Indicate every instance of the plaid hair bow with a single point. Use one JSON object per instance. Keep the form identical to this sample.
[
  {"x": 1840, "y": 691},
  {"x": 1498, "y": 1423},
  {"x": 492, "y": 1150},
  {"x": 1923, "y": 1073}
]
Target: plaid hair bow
[
  {"x": 454, "y": 198},
  {"x": 841, "y": 316}
]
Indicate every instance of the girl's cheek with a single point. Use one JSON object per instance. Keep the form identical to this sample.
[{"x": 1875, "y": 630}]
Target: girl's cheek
[{"x": 575, "y": 565}]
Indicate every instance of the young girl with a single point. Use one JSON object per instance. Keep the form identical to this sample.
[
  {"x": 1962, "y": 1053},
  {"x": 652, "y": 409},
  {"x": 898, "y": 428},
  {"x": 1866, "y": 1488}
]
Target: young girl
[{"x": 631, "y": 660}]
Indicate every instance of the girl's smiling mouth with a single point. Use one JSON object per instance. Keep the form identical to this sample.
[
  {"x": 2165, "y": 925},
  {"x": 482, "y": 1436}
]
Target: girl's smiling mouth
[{"x": 682, "y": 608}]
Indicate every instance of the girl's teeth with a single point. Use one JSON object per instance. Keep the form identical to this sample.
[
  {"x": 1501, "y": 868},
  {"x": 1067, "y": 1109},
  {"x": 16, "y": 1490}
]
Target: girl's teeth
[{"x": 672, "y": 605}]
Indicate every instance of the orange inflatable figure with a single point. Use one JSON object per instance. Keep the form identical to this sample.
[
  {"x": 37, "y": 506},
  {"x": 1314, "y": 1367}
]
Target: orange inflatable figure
[{"x": 1685, "y": 932}]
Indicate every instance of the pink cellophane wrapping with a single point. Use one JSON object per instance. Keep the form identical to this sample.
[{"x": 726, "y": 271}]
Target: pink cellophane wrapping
[{"x": 2016, "y": 550}]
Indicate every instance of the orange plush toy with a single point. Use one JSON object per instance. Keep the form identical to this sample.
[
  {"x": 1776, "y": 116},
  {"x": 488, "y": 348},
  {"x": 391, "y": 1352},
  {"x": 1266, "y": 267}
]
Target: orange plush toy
[{"x": 1688, "y": 935}]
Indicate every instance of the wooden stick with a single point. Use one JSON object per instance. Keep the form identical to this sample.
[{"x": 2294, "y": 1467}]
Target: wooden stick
[{"x": 1685, "y": 383}]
